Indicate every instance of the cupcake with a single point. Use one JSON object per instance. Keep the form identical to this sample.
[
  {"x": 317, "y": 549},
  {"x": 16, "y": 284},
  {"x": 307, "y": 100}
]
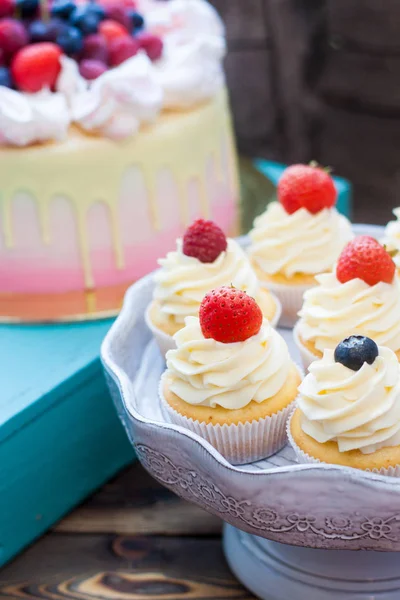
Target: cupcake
[
  {"x": 298, "y": 237},
  {"x": 231, "y": 379},
  {"x": 361, "y": 296},
  {"x": 348, "y": 409},
  {"x": 204, "y": 259},
  {"x": 391, "y": 238}
]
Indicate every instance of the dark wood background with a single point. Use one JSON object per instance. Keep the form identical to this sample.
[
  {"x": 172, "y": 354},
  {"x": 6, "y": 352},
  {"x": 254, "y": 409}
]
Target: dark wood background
[{"x": 320, "y": 79}]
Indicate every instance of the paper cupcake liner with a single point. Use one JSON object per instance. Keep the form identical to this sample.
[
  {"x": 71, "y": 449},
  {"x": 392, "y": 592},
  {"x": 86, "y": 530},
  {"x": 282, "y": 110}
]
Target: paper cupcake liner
[
  {"x": 165, "y": 342},
  {"x": 304, "y": 458},
  {"x": 307, "y": 357},
  {"x": 239, "y": 443},
  {"x": 278, "y": 310},
  {"x": 291, "y": 299}
]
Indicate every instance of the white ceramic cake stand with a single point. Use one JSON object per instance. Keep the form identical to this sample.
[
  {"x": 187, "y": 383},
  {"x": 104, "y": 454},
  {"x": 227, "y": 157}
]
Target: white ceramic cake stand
[{"x": 291, "y": 530}]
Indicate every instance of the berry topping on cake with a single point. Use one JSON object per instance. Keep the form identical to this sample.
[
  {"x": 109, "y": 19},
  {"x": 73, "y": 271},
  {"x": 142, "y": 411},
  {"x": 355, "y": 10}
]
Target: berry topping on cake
[
  {"x": 229, "y": 315},
  {"x": 70, "y": 40},
  {"x": 95, "y": 47},
  {"x": 91, "y": 68},
  {"x": 5, "y": 77},
  {"x": 37, "y": 66},
  {"x": 204, "y": 240},
  {"x": 122, "y": 48},
  {"x": 112, "y": 30},
  {"x": 151, "y": 44},
  {"x": 13, "y": 36},
  {"x": 45, "y": 31},
  {"x": 6, "y": 8},
  {"x": 364, "y": 258},
  {"x": 137, "y": 20},
  {"x": 62, "y": 9},
  {"x": 27, "y": 8},
  {"x": 306, "y": 186},
  {"x": 356, "y": 350}
]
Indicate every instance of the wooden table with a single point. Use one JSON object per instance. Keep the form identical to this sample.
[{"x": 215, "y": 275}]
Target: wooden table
[{"x": 131, "y": 540}]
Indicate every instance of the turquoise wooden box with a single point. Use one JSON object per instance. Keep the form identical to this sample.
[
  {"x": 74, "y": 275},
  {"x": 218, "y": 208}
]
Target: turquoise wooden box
[{"x": 60, "y": 437}]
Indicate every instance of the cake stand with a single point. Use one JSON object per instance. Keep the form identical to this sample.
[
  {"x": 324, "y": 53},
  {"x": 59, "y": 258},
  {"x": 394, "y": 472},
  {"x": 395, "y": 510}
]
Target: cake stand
[{"x": 292, "y": 532}]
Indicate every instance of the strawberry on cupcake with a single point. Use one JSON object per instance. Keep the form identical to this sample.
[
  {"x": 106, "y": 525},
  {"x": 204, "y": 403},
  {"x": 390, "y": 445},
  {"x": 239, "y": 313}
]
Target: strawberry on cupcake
[
  {"x": 360, "y": 297},
  {"x": 231, "y": 379},
  {"x": 299, "y": 236},
  {"x": 204, "y": 259}
]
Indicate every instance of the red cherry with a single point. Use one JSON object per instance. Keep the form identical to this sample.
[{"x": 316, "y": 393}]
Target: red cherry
[
  {"x": 95, "y": 47},
  {"x": 112, "y": 30},
  {"x": 92, "y": 69},
  {"x": 37, "y": 66},
  {"x": 13, "y": 36},
  {"x": 6, "y": 8},
  {"x": 151, "y": 44},
  {"x": 121, "y": 49}
]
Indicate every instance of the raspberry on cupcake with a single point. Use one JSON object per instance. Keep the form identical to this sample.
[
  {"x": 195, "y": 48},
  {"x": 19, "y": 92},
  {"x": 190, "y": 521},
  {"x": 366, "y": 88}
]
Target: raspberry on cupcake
[
  {"x": 299, "y": 236},
  {"x": 204, "y": 259},
  {"x": 231, "y": 379},
  {"x": 361, "y": 296},
  {"x": 348, "y": 409}
]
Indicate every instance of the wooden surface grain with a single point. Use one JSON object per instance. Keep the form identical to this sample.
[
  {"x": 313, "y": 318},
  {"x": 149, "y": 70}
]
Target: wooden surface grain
[{"x": 133, "y": 540}]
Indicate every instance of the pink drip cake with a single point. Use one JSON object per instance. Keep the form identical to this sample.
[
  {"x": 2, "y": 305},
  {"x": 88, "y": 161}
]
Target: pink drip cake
[{"x": 104, "y": 165}]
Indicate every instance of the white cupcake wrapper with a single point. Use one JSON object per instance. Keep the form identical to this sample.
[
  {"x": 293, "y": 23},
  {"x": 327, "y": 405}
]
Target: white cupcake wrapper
[
  {"x": 239, "y": 444},
  {"x": 307, "y": 357},
  {"x": 291, "y": 299},
  {"x": 304, "y": 458},
  {"x": 166, "y": 342}
]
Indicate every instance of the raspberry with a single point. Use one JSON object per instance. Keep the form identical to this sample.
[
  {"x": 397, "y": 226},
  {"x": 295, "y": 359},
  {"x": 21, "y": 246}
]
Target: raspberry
[
  {"x": 121, "y": 49},
  {"x": 6, "y": 8},
  {"x": 364, "y": 258},
  {"x": 151, "y": 44},
  {"x": 204, "y": 240},
  {"x": 112, "y": 30},
  {"x": 91, "y": 69},
  {"x": 229, "y": 315},
  {"x": 13, "y": 36},
  {"x": 306, "y": 186},
  {"x": 37, "y": 66},
  {"x": 95, "y": 46},
  {"x": 117, "y": 12}
]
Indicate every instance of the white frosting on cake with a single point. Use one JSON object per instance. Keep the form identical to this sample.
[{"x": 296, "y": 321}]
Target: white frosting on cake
[{"x": 116, "y": 104}]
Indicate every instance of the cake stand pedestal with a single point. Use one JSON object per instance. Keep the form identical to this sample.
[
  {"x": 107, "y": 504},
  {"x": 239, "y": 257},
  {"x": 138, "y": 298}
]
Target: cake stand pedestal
[{"x": 274, "y": 571}]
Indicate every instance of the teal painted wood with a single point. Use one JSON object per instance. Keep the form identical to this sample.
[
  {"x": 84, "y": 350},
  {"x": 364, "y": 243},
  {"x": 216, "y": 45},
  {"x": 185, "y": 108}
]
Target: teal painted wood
[
  {"x": 60, "y": 437},
  {"x": 274, "y": 170}
]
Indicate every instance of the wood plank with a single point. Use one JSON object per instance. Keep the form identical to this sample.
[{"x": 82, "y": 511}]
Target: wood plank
[
  {"x": 66, "y": 566},
  {"x": 134, "y": 503},
  {"x": 244, "y": 24},
  {"x": 368, "y": 25}
]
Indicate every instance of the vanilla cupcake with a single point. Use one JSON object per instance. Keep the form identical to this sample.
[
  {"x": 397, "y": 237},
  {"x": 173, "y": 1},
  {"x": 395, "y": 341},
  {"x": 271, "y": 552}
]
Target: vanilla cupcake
[
  {"x": 362, "y": 296},
  {"x": 348, "y": 409},
  {"x": 204, "y": 259},
  {"x": 392, "y": 238},
  {"x": 298, "y": 237},
  {"x": 231, "y": 379}
]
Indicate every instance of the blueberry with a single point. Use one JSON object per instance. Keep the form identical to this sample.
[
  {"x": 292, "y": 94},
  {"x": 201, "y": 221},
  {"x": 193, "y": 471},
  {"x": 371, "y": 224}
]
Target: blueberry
[
  {"x": 5, "y": 77},
  {"x": 137, "y": 20},
  {"x": 355, "y": 350},
  {"x": 27, "y": 8},
  {"x": 85, "y": 20},
  {"x": 70, "y": 40},
  {"x": 63, "y": 9},
  {"x": 96, "y": 9},
  {"x": 41, "y": 31}
]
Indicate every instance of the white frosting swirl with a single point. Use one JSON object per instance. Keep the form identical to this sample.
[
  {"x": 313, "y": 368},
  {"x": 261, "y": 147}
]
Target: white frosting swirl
[
  {"x": 183, "y": 281},
  {"x": 332, "y": 311},
  {"x": 29, "y": 118},
  {"x": 120, "y": 100},
  {"x": 70, "y": 82},
  {"x": 204, "y": 372},
  {"x": 298, "y": 243},
  {"x": 392, "y": 237},
  {"x": 357, "y": 409}
]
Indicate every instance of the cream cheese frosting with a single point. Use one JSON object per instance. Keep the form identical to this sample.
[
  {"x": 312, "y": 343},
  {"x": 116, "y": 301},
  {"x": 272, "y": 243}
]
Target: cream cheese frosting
[
  {"x": 332, "y": 311},
  {"x": 392, "y": 237},
  {"x": 360, "y": 410},
  {"x": 183, "y": 281},
  {"x": 117, "y": 103},
  {"x": 298, "y": 243},
  {"x": 205, "y": 372}
]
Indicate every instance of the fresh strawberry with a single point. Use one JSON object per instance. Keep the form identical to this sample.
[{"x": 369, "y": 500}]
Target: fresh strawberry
[
  {"x": 306, "y": 186},
  {"x": 121, "y": 49},
  {"x": 229, "y": 315},
  {"x": 13, "y": 36},
  {"x": 204, "y": 240},
  {"x": 112, "y": 30},
  {"x": 364, "y": 258},
  {"x": 37, "y": 66},
  {"x": 151, "y": 44}
]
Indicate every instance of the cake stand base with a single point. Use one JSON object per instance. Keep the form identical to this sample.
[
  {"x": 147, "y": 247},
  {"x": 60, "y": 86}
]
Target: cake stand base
[{"x": 275, "y": 571}]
